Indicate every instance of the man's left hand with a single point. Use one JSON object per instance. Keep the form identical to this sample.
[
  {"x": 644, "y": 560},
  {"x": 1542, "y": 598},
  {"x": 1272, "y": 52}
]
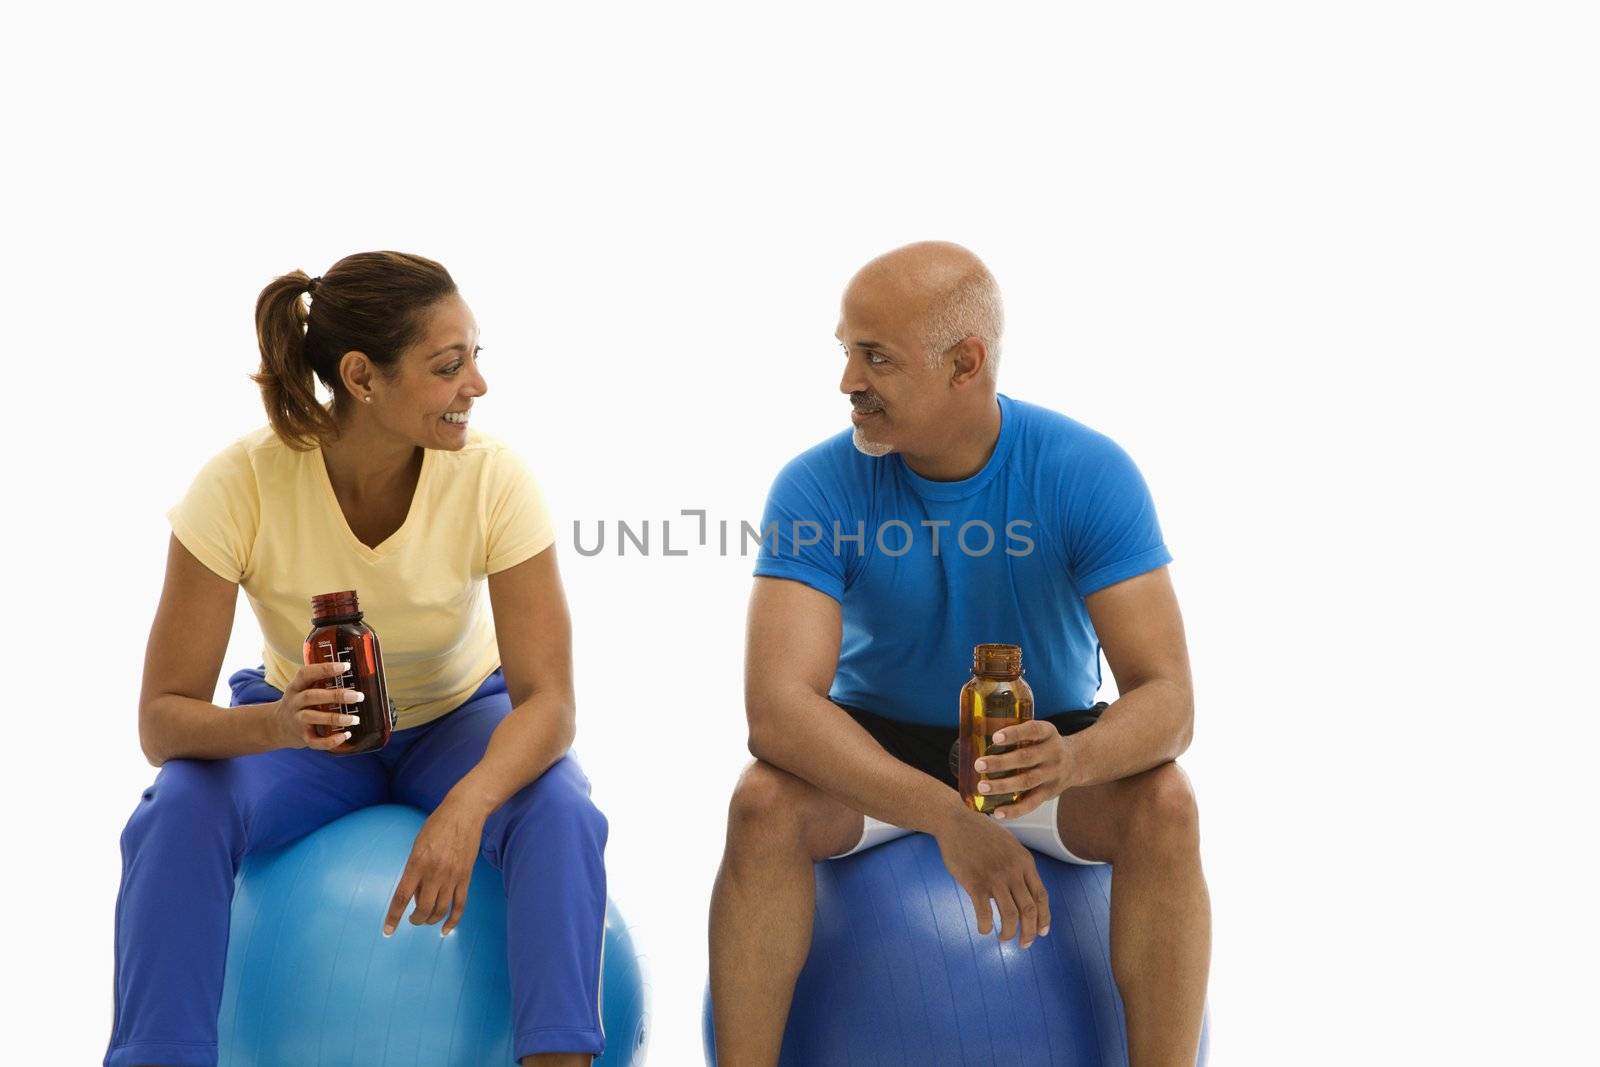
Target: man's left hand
[{"x": 1038, "y": 768}]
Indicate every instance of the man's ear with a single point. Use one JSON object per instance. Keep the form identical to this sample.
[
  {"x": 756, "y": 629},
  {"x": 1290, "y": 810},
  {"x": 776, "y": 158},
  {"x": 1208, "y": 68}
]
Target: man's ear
[{"x": 967, "y": 361}]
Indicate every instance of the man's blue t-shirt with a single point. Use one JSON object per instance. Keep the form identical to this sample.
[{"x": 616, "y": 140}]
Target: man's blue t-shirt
[{"x": 925, "y": 570}]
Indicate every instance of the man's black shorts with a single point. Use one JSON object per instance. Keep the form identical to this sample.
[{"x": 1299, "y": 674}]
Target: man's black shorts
[{"x": 933, "y": 749}]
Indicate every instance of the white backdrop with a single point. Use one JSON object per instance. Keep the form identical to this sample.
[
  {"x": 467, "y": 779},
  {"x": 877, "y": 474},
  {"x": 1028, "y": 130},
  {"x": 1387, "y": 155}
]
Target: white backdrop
[{"x": 1328, "y": 272}]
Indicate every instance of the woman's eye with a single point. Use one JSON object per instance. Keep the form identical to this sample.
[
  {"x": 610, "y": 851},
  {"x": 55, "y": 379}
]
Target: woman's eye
[{"x": 456, "y": 366}]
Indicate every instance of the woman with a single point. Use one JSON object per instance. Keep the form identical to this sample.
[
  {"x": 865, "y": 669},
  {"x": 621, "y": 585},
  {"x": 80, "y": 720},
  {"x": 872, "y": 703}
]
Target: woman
[{"x": 386, "y": 491}]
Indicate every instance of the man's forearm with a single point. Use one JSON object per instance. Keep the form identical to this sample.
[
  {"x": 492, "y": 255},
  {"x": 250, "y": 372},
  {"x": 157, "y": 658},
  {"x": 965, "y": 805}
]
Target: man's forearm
[
  {"x": 1145, "y": 727},
  {"x": 813, "y": 739}
]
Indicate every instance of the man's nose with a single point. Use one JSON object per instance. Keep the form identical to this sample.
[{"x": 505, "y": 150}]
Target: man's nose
[{"x": 852, "y": 381}]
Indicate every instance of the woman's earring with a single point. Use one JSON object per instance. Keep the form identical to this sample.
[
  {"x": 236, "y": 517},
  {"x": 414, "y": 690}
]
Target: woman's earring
[{"x": 368, "y": 399}]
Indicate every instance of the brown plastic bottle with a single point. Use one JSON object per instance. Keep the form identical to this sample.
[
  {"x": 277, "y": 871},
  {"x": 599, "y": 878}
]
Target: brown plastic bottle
[
  {"x": 994, "y": 698},
  {"x": 337, "y": 633}
]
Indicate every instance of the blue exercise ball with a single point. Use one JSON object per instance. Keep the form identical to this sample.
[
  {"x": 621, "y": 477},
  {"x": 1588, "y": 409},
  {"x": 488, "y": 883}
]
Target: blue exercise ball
[
  {"x": 312, "y": 980},
  {"x": 898, "y": 973}
]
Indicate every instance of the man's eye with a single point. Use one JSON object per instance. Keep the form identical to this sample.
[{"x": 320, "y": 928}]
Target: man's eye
[{"x": 873, "y": 358}]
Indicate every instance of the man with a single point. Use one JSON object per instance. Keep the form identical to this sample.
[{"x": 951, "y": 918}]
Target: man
[{"x": 872, "y": 588}]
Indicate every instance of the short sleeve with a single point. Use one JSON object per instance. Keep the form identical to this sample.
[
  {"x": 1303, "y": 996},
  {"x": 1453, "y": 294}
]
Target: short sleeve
[
  {"x": 797, "y": 532},
  {"x": 1111, "y": 529},
  {"x": 218, "y": 517},
  {"x": 519, "y": 523}
]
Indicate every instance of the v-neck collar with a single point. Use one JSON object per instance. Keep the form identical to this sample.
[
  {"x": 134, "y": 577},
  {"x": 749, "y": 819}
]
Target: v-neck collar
[{"x": 389, "y": 543}]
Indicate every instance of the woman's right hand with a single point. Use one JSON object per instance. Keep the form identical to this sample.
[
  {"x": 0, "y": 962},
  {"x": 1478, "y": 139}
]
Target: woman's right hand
[{"x": 296, "y": 712}]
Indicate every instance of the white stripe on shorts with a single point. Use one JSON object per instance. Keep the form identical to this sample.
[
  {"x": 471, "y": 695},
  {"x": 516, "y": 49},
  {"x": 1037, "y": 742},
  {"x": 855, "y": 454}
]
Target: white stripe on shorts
[{"x": 1037, "y": 830}]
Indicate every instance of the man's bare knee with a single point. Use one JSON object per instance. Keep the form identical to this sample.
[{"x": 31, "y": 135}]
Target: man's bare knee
[
  {"x": 1153, "y": 811},
  {"x": 765, "y": 809},
  {"x": 1161, "y": 809},
  {"x": 772, "y": 810}
]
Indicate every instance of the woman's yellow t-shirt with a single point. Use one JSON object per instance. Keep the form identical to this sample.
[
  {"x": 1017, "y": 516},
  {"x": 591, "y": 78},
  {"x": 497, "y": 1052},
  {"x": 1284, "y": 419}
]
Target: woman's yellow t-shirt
[{"x": 263, "y": 515}]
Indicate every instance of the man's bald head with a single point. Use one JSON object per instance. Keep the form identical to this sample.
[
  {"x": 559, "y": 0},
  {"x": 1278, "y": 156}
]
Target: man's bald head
[{"x": 947, "y": 289}]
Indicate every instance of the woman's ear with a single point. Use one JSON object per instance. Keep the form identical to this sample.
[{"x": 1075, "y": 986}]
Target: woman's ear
[{"x": 356, "y": 373}]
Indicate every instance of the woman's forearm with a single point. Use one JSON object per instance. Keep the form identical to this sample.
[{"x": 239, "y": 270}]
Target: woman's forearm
[
  {"x": 525, "y": 745},
  {"x": 179, "y": 727}
]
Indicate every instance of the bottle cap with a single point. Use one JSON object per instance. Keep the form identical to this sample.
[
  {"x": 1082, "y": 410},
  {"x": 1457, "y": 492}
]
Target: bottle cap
[
  {"x": 997, "y": 660},
  {"x": 334, "y": 605}
]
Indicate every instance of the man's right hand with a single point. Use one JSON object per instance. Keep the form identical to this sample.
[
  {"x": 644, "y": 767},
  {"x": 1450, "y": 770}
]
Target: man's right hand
[
  {"x": 989, "y": 863},
  {"x": 295, "y": 713}
]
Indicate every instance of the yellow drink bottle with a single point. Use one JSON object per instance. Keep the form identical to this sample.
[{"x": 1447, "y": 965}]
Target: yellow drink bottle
[{"x": 995, "y": 697}]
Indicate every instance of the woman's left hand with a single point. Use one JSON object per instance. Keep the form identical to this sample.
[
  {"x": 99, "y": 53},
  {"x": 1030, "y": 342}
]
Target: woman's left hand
[{"x": 439, "y": 869}]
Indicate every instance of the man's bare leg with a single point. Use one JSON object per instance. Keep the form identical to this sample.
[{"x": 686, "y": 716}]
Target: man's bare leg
[
  {"x": 558, "y": 1059},
  {"x": 763, "y": 904},
  {"x": 1148, "y": 827}
]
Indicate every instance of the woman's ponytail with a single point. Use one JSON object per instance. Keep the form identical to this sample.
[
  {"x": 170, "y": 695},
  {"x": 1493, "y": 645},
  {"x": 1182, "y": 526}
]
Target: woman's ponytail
[{"x": 287, "y": 379}]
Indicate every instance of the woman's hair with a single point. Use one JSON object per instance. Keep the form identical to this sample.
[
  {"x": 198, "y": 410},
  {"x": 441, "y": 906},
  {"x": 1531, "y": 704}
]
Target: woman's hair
[{"x": 371, "y": 302}]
